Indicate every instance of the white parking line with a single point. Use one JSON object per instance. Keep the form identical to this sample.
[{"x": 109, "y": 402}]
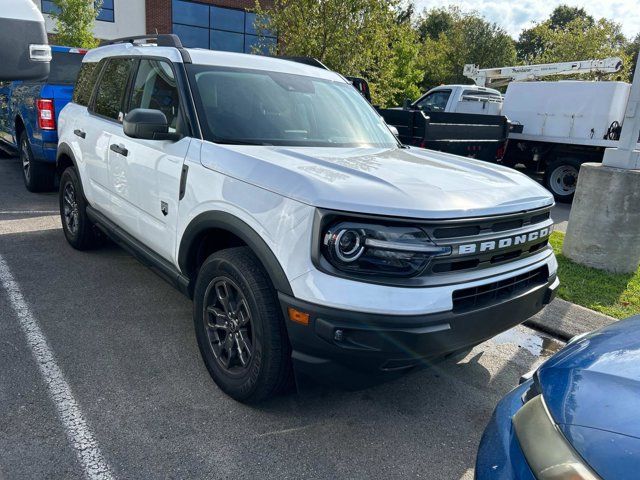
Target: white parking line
[{"x": 76, "y": 428}]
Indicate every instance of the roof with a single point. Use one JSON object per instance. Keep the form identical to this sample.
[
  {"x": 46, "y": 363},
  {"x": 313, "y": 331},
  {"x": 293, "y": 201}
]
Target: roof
[{"x": 212, "y": 57}]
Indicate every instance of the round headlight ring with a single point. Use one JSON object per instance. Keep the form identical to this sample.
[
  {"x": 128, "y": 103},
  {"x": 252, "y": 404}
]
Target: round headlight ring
[{"x": 348, "y": 245}]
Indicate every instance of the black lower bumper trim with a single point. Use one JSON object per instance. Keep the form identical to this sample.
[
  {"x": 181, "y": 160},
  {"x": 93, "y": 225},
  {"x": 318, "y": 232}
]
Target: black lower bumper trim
[{"x": 340, "y": 341}]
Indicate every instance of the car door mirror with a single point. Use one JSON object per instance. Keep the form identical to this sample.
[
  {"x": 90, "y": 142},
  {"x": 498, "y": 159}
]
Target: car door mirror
[
  {"x": 407, "y": 104},
  {"x": 394, "y": 130},
  {"x": 148, "y": 124},
  {"x": 25, "y": 54}
]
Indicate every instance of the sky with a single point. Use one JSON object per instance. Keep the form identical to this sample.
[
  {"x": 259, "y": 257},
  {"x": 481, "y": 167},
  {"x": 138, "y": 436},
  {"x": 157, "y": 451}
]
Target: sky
[{"x": 514, "y": 15}]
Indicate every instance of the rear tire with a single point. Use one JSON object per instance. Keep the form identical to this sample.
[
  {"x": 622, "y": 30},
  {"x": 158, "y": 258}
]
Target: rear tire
[
  {"x": 243, "y": 339},
  {"x": 561, "y": 178},
  {"x": 37, "y": 176},
  {"x": 77, "y": 228}
]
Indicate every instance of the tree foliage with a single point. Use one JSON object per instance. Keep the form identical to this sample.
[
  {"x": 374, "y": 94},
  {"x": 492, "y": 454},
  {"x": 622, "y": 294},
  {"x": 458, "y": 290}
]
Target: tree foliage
[
  {"x": 402, "y": 53},
  {"x": 571, "y": 34},
  {"x": 452, "y": 38},
  {"x": 74, "y": 22},
  {"x": 367, "y": 38}
]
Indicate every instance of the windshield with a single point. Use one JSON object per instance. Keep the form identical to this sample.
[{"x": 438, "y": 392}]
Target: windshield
[
  {"x": 64, "y": 67},
  {"x": 268, "y": 108}
]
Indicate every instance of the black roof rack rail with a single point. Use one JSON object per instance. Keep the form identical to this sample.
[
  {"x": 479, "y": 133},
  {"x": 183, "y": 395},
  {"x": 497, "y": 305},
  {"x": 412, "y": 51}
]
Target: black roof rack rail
[{"x": 161, "y": 40}]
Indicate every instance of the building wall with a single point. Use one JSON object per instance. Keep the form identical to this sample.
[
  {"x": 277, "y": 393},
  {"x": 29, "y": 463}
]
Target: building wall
[
  {"x": 140, "y": 17},
  {"x": 130, "y": 19},
  {"x": 159, "y": 11}
]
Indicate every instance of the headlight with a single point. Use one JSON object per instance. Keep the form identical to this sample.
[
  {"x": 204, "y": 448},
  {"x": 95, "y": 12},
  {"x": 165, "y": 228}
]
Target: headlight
[
  {"x": 549, "y": 455},
  {"x": 371, "y": 249}
]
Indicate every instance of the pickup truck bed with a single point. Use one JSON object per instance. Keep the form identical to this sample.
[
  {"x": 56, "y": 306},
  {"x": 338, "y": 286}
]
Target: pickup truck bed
[
  {"x": 471, "y": 135},
  {"x": 29, "y": 113}
]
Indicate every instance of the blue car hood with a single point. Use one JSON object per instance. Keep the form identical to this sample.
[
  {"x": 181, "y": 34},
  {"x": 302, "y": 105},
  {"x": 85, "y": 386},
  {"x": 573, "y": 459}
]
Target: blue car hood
[{"x": 592, "y": 390}]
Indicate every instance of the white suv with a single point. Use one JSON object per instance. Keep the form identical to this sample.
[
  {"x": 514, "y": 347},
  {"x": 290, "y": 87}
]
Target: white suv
[{"x": 276, "y": 197}]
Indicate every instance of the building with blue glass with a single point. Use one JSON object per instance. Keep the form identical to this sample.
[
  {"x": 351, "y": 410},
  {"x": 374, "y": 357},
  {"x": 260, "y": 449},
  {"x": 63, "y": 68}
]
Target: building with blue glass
[{"x": 227, "y": 25}]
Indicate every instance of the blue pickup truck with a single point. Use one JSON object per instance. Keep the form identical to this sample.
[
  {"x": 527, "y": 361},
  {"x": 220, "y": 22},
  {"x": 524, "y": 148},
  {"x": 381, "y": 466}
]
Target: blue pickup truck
[{"x": 29, "y": 113}]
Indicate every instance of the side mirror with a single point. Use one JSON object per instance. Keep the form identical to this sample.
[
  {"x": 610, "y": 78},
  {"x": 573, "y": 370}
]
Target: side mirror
[
  {"x": 147, "y": 124},
  {"x": 407, "y": 104},
  {"x": 394, "y": 130},
  {"x": 25, "y": 53}
]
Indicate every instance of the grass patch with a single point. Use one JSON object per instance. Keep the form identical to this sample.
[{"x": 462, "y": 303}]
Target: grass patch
[{"x": 617, "y": 295}]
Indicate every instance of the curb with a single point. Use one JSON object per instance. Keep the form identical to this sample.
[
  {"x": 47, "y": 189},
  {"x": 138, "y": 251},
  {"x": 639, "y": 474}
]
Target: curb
[{"x": 565, "y": 320}]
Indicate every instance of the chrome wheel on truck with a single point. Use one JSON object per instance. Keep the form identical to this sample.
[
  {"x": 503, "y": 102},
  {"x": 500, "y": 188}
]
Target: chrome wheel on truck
[{"x": 561, "y": 179}]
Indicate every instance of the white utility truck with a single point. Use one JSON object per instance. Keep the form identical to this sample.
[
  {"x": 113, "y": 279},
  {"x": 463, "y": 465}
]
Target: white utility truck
[{"x": 564, "y": 123}]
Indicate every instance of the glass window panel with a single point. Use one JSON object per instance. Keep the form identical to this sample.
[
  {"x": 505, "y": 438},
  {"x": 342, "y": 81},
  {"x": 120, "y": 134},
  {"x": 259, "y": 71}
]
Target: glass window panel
[
  {"x": 108, "y": 4},
  {"x": 192, "y": 37},
  {"x": 264, "y": 45},
  {"x": 227, "y": 41},
  {"x": 227, "y": 19},
  {"x": 49, "y": 7},
  {"x": 84, "y": 83},
  {"x": 189, "y": 13},
  {"x": 64, "y": 67},
  {"x": 112, "y": 87},
  {"x": 105, "y": 15},
  {"x": 249, "y": 23},
  {"x": 155, "y": 88}
]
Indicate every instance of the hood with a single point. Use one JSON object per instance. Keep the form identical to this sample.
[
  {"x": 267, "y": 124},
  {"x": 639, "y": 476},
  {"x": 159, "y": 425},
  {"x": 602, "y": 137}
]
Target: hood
[
  {"x": 592, "y": 390},
  {"x": 411, "y": 182}
]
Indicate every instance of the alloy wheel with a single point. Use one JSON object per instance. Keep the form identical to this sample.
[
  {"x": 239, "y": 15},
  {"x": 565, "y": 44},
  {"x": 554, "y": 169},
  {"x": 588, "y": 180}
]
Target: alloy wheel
[
  {"x": 70, "y": 208},
  {"x": 229, "y": 326},
  {"x": 26, "y": 160}
]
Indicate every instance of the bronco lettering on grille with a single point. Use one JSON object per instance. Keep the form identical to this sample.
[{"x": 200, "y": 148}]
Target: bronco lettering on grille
[{"x": 506, "y": 242}]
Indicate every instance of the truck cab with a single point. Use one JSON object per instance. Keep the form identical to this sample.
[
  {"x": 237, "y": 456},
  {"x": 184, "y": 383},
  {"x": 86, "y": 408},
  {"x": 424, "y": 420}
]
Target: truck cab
[
  {"x": 28, "y": 117},
  {"x": 460, "y": 99}
]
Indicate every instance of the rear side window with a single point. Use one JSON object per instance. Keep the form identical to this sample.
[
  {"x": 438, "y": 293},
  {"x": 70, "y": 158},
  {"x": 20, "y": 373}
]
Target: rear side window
[
  {"x": 112, "y": 88},
  {"x": 64, "y": 67},
  {"x": 84, "y": 84}
]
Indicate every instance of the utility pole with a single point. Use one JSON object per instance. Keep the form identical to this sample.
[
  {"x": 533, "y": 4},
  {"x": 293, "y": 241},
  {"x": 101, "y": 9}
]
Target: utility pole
[{"x": 604, "y": 225}]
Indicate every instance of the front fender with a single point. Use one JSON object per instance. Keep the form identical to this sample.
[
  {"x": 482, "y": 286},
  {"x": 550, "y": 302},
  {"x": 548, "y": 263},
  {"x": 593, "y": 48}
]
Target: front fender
[{"x": 226, "y": 221}]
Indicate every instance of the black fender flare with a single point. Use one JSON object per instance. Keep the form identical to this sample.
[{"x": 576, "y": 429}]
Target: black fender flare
[
  {"x": 65, "y": 149},
  {"x": 226, "y": 221}
]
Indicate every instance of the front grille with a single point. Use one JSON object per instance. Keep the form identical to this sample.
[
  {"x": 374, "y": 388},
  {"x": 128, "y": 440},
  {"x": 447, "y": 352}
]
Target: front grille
[
  {"x": 491, "y": 293},
  {"x": 476, "y": 231}
]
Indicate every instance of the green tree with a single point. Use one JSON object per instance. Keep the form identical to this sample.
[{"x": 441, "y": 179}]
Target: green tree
[
  {"x": 452, "y": 38},
  {"x": 562, "y": 15},
  {"x": 74, "y": 22},
  {"x": 631, "y": 50},
  {"x": 368, "y": 38},
  {"x": 564, "y": 38}
]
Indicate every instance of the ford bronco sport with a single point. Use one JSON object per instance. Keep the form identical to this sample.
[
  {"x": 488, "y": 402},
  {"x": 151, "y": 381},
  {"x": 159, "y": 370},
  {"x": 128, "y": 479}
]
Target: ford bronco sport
[{"x": 276, "y": 197}]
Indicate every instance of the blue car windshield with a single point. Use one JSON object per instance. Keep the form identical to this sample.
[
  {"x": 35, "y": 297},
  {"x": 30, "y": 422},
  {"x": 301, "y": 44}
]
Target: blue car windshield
[{"x": 257, "y": 107}]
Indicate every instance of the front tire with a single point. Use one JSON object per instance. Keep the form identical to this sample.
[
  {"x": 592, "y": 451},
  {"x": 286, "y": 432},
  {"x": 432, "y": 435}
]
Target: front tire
[
  {"x": 37, "y": 176},
  {"x": 239, "y": 326},
  {"x": 77, "y": 228},
  {"x": 561, "y": 178}
]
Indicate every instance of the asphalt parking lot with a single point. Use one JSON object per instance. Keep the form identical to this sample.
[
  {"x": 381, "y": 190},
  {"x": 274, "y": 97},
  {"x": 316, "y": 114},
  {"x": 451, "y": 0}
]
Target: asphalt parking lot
[{"x": 101, "y": 377}]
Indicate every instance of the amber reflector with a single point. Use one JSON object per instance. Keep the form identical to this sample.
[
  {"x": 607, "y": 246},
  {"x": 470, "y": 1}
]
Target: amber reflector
[{"x": 298, "y": 316}]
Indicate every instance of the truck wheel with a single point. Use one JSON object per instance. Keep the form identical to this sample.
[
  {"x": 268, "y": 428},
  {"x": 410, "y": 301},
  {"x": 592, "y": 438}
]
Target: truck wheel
[
  {"x": 77, "y": 228},
  {"x": 239, "y": 326},
  {"x": 561, "y": 178},
  {"x": 37, "y": 176}
]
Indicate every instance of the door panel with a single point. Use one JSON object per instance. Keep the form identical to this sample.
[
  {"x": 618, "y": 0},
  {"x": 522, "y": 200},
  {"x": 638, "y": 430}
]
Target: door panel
[
  {"x": 104, "y": 123},
  {"x": 147, "y": 179}
]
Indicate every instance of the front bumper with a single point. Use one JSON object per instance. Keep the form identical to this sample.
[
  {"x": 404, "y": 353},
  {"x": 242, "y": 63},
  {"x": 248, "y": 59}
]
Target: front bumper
[
  {"x": 499, "y": 455},
  {"x": 336, "y": 343}
]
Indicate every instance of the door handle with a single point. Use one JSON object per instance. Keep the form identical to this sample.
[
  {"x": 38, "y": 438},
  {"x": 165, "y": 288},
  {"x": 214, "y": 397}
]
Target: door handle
[
  {"x": 80, "y": 133},
  {"x": 119, "y": 149}
]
